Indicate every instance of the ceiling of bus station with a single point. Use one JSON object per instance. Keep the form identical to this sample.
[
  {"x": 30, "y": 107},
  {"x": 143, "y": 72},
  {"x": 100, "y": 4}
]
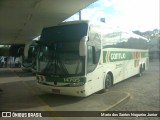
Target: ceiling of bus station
[{"x": 23, "y": 20}]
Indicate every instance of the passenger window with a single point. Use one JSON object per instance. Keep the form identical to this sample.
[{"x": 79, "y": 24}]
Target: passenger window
[
  {"x": 90, "y": 55},
  {"x": 92, "y": 58}
]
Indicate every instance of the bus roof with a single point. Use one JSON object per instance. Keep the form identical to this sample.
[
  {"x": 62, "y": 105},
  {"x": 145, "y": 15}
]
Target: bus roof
[{"x": 102, "y": 26}]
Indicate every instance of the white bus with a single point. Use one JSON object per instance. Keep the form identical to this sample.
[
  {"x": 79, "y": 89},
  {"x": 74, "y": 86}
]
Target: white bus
[
  {"x": 28, "y": 60},
  {"x": 80, "y": 58}
]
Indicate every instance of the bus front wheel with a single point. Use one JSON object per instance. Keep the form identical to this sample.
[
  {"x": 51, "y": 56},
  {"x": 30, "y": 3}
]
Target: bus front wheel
[
  {"x": 140, "y": 71},
  {"x": 108, "y": 81}
]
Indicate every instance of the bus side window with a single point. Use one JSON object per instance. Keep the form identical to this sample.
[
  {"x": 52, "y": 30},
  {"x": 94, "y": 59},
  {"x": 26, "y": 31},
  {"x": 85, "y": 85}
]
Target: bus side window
[
  {"x": 93, "y": 55},
  {"x": 90, "y": 55},
  {"x": 92, "y": 58},
  {"x": 96, "y": 55}
]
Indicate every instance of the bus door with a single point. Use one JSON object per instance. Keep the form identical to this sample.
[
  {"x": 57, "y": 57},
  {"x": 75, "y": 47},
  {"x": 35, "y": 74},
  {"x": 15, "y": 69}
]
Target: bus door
[{"x": 94, "y": 69}]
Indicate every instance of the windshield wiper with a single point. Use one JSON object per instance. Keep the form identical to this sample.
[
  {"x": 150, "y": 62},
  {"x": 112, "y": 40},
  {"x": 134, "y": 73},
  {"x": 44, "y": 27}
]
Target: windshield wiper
[
  {"x": 62, "y": 66},
  {"x": 49, "y": 67},
  {"x": 50, "y": 64},
  {"x": 54, "y": 66}
]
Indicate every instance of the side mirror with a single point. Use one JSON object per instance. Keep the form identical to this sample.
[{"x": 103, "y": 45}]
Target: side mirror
[{"x": 82, "y": 46}]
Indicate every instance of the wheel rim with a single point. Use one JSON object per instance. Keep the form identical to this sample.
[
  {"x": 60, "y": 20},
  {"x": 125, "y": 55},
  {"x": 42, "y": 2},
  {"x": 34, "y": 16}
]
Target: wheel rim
[{"x": 108, "y": 82}]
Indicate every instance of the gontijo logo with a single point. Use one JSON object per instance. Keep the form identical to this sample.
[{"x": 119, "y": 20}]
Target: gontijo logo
[
  {"x": 111, "y": 56},
  {"x": 115, "y": 56}
]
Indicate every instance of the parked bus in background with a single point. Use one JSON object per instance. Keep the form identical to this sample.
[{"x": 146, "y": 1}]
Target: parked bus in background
[
  {"x": 28, "y": 60},
  {"x": 80, "y": 58}
]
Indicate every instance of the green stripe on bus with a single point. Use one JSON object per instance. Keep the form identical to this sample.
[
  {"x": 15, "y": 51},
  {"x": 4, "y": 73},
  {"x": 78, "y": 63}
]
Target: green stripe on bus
[{"x": 114, "y": 56}]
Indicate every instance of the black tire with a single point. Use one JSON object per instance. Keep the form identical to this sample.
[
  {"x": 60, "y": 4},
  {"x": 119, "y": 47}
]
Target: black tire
[
  {"x": 144, "y": 67},
  {"x": 140, "y": 71},
  {"x": 108, "y": 81}
]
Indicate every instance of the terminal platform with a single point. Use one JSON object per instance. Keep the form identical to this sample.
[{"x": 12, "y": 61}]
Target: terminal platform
[{"x": 20, "y": 93}]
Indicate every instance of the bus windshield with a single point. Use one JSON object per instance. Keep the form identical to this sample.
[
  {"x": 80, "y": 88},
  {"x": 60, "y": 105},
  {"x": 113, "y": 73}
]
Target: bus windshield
[
  {"x": 71, "y": 32},
  {"x": 59, "y": 50},
  {"x": 60, "y": 60}
]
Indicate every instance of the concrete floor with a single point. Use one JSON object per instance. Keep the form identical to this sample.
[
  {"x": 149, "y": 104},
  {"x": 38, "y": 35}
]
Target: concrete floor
[{"x": 134, "y": 94}]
